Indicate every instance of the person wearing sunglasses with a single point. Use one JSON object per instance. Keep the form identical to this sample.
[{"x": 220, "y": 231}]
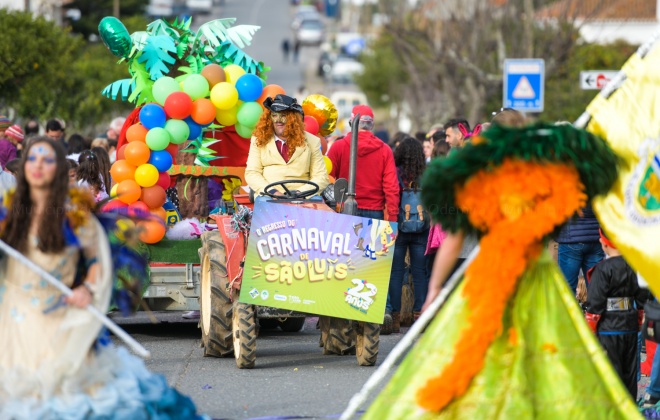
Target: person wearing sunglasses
[{"x": 281, "y": 150}]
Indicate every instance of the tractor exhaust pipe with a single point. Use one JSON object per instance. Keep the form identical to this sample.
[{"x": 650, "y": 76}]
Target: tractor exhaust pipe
[{"x": 351, "y": 206}]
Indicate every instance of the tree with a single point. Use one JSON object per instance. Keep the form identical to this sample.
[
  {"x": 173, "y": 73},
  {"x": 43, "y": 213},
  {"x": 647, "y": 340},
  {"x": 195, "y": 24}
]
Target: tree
[
  {"x": 452, "y": 53},
  {"x": 92, "y": 11}
]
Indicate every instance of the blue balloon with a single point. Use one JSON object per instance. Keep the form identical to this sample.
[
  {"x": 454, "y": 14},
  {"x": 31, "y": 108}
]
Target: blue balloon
[
  {"x": 195, "y": 129},
  {"x": 161, "y": 159},
  {"x": 249, "y": 87},
  {"x": 152, "y": 116}
]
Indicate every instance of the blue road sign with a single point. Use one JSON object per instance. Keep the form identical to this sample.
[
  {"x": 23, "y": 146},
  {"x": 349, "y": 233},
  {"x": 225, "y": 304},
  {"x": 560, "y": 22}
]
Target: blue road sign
[{"x": 524, "y": 84}]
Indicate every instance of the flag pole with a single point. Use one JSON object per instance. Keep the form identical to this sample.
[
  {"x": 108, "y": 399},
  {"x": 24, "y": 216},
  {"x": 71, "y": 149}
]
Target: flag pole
[
  {"x": 417, "y": 328},
  {"x": 123, "y": 335},
  {"x": 617, "y": 80}
]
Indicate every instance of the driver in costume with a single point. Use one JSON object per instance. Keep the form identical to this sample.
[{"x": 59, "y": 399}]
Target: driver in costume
[{"x": 281, "y": 150}]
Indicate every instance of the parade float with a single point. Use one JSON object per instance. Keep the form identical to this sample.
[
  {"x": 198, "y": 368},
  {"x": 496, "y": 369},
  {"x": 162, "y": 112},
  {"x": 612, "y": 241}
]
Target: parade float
[{"x": 198, "y": 97}]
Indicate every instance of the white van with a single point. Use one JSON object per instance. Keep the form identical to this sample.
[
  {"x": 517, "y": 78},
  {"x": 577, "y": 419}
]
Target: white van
[{"x": 203, "y": 7}]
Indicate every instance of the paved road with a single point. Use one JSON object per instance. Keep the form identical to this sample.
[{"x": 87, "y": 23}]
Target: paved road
[{"x": 291, "y": 377}]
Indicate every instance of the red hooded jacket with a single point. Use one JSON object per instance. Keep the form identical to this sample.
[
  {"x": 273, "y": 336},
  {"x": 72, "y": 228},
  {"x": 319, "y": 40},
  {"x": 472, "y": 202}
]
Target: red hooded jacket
[{"x": 376, "y": 183}]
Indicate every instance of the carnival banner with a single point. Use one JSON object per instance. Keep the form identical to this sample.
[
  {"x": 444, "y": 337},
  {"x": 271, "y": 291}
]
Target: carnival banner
[
  {"x": 629, "y": 120},
  {"x": 318, "y": 262}
]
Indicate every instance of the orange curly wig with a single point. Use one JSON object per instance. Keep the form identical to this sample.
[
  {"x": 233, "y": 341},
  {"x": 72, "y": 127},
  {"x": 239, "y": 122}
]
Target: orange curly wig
[{"x": 294, "y": 130}]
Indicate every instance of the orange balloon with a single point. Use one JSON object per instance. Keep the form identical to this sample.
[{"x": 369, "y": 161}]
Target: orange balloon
[
  {"x": 128, "y": 191},
  {"x": 151, "y": 231},
  {"x": 122, "y": 170},
  {"x": 153, "y": 197},
  {"x": 136, "y": 132},
  {"x": 214, "y": 74},
  {"x": 269, "y": 92},
  {"x": 160, "y": 213},
  {"x": 203, "y": 111},
  {"x": 137, "y": 153}
]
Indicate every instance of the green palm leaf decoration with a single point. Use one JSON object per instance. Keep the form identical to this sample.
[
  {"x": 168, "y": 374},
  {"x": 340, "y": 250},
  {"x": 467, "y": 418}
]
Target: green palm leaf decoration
[
  {"x": 161, "y": 27},
  {"x": 156, "y": 55},
  {"x": 125, "y": 86},
  {"x": 139, "y": 41},
  {"x": 228, "y": 53},
  {"x": 218, "y": 31}
]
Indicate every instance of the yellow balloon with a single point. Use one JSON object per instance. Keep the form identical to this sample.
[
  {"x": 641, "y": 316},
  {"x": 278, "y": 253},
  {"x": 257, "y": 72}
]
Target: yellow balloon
[
  {"x": 227, "y": 116},
  {"x": 113, "y": 191},
  {"x": 233, "y": 72},
  {"x": 323, "y": 111},
  {"x": 224, "y": 96},
  {"x": 328, "y": 164},
  {"x": 146, "y": 175}
]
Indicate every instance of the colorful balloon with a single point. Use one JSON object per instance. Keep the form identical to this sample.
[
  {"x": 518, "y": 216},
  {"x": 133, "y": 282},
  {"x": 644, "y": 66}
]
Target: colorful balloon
[
  {"x": 328, "y": 164},
  {"x": 152, "y": 116},
  {"x": 195, "y": 129},
  {"x": 243, "y": 131},
  {"x": 136, "y": 132},
  {"x": 137, "y": 153},
  {"x": 151, "y": 231},
  {"x": 158, "y": 138},
  {"x": 173, "y": 150},
  {"x": 311, "y": 125},
  {"x": 196, "y": 86},
  {"x": 224, "y": 95},
  {"x": 115, "y": 36},
  {"x": 161, "y": 160},
  {"x": 113, "y": 191},
  {"x": 128, "y": 191},
  {"x": 178, "y": 131},
  {"x": 270, "y": 91},
  {"x": 114, "y": 205},
  {"x": 120, "y": 152},
  {"x": 121, "y": 171},
  {"x": 233, "y": 72},
  {"x": 138, "y": 209},
  {"x": 248, "y": 114},
  {"x": 323, "y": 111},
  {"x": 164, "y": 87},
  {"x": 164, "y": 180},
  {"x": 227, "y": 117},
  {"x": 203, "y": 111},
  {"x": 178, "y": 105},
  {"x": 146, "y": 175},
  {"x": 214, "y": 74},
  {"x": 159, "y": 213},
  {"x": 153, "y": 197},
  {"x": 249, "y": 87}
]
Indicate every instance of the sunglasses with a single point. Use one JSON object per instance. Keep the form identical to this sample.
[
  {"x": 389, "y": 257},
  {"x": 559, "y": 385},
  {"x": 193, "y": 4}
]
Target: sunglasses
[{"x": 277, "y": 117}]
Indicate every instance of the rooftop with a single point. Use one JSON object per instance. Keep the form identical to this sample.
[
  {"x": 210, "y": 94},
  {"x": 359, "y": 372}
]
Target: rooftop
[{"x": 602, "y": 10}]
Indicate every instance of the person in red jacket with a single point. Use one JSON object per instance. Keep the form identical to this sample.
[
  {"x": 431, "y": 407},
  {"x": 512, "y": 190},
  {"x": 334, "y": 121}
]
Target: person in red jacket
[{"x": 376, "y": 183}]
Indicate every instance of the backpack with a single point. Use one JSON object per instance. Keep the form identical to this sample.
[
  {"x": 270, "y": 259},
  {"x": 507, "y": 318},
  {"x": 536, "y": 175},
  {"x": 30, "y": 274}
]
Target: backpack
[{"x": 413, "y": 218}]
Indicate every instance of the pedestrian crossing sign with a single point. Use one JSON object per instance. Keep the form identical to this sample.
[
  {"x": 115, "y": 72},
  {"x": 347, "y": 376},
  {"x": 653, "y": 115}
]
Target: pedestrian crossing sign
[{"x": 524, "y": 85}]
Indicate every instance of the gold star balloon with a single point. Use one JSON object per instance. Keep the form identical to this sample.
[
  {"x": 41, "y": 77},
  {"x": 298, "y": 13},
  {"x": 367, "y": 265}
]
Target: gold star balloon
[{"x": 323, "y": 111}]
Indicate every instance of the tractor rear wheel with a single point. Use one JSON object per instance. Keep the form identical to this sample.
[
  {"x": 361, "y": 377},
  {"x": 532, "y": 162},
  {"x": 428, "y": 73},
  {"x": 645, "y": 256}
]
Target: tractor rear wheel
[
  {"x": 367, "y": 340},
  {"x": 244, "y": 325},
  {"x": 215, "y": 301},
  {"x": 340, "y": 338}
]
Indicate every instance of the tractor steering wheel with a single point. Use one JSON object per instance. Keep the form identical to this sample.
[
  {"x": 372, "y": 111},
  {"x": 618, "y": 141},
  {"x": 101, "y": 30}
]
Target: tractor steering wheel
[{"x": 291, "y": 194}]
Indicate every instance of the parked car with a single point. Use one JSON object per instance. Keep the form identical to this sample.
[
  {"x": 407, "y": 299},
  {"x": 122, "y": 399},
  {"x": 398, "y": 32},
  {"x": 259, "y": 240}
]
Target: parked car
[
  {"x": 302, "y": 13},
  {"x": 345, "y": 100},
  {"x": 343, "y": 70},
  {"x": 310, "y": 32},
  {"x": 202, "y": 7}
]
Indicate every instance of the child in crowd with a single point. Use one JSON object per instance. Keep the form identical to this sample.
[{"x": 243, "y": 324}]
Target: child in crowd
[
  {"x": 89, "y": 174},
  {"x": 613, "y": 300},
  {"x": 73, "y": 170}
]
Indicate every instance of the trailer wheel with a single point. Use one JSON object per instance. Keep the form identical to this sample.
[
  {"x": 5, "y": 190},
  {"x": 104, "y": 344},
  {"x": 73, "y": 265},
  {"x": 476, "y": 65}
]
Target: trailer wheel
[
  {"x": 215, "y": 302},
  {"x": 366, "y": 345},
  {"x": 245, "y": 335},
  {"x": 292, "y": 324},
  {"x": 340, "y": 338}
]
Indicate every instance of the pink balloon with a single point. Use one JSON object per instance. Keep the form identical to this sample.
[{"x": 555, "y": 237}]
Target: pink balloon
[
  {"x": 138, "y": 208},
  {"x": 114, "y": 205},
  {"x": 311, "y": 125}
]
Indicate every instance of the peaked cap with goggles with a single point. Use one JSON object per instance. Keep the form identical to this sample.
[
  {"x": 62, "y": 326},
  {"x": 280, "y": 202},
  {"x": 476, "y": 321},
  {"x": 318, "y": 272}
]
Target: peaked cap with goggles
[{"x": 283, "y": 103}]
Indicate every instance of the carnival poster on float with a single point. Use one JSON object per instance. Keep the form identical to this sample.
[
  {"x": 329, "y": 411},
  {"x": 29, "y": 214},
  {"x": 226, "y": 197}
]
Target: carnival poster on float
[{"x": 318, "y": 262}]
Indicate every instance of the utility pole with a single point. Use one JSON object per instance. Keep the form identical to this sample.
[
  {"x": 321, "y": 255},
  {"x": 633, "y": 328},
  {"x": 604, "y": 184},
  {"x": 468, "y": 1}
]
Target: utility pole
[
  {"x": 27, "y": 5},
  {"x": 115, "y": 8}
]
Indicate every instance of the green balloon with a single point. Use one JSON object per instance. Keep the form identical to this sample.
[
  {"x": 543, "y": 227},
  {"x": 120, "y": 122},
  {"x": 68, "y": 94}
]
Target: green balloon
[
  {"x": 115, "y": 36},
  {"x": 196, "y": 86},
  {"x": 243, "y": 131},
  {"x": 249, "y": 113},
  {"x": 178, "y": 130},
  {"x": 163, "y": 87},
  {"x": 158, "y": 139}
]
